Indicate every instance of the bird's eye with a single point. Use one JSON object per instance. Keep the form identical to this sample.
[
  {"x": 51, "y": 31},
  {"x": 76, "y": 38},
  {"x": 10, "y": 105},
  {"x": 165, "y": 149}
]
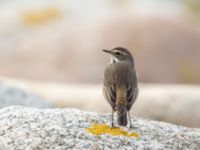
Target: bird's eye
[{"x": 117, "y": 53}]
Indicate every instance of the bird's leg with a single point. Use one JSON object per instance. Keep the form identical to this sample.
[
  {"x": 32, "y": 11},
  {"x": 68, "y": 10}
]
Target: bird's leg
[
  {"x": 129, "y": 117},
  {"x": 113, "y": 119}
]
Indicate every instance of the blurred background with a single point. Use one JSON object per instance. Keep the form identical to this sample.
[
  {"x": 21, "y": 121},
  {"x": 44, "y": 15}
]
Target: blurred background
[{"x": 53, "y": 49}]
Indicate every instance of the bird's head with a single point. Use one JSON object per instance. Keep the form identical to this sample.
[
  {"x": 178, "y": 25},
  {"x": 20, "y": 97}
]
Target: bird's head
[{"x": 120, "y": 54}]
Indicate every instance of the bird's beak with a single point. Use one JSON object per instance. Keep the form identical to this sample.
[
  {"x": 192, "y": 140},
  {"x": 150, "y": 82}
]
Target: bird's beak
[{"x": 107, "y": 51}]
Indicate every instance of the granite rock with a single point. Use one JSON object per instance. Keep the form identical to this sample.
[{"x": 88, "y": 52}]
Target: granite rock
[{"x": 61, "y": 129}]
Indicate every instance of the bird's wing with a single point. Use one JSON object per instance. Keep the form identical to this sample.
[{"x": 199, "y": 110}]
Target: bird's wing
[
  {"x": 132, "y": 90},
  {"x": 109, "y": 86},
  {"x": 110, "y": 95},
  {"x": 132, "y": 93}
]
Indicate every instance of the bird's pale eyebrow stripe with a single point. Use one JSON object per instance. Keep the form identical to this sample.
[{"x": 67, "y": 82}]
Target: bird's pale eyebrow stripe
[{"x": 121, "y": 52}]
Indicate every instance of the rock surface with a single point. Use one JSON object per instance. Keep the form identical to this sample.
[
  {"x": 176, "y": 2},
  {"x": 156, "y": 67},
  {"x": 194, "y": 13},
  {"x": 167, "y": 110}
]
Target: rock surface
[
  {"x": 59, "y": 129},
  {"x": 14, "y": 96}
]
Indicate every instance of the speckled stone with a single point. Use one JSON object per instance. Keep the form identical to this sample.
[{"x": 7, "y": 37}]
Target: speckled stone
[
  {"x": 62, "y": 129},
  {"x": 14, "y": 96}
]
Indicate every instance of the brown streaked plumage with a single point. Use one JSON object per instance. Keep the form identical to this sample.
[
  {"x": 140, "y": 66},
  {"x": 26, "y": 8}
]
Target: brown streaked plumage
[{"x": 120, "y": 84}]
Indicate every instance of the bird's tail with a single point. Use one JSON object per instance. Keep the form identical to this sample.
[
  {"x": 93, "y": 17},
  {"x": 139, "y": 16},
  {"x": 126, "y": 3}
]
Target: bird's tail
[
  {"x": 121, "y": 106},
  {"x": 122, "y": 115}
]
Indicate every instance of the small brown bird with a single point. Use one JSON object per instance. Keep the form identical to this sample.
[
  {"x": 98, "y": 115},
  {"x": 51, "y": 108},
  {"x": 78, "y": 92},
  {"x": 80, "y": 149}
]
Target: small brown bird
[{"x": 120, "y": 86}]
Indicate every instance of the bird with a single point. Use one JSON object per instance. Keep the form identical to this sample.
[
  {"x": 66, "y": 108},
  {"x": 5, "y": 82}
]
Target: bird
[{"x": 120, "y": 84}]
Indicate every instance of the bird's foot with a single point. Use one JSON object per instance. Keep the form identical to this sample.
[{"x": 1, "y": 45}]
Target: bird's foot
[{"x": 113, "y": 126}]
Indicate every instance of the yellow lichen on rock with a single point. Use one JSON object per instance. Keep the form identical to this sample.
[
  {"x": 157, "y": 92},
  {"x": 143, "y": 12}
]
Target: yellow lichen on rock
[
  {"x": 36, "y": 17},
  {"x": 98, "y": 129}
]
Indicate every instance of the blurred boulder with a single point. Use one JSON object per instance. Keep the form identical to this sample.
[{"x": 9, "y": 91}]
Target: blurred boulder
[
  {"x": 14, "y": 96},
  {"x": 178, "y": 104},
  {"x": 164, "y": 50}
]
